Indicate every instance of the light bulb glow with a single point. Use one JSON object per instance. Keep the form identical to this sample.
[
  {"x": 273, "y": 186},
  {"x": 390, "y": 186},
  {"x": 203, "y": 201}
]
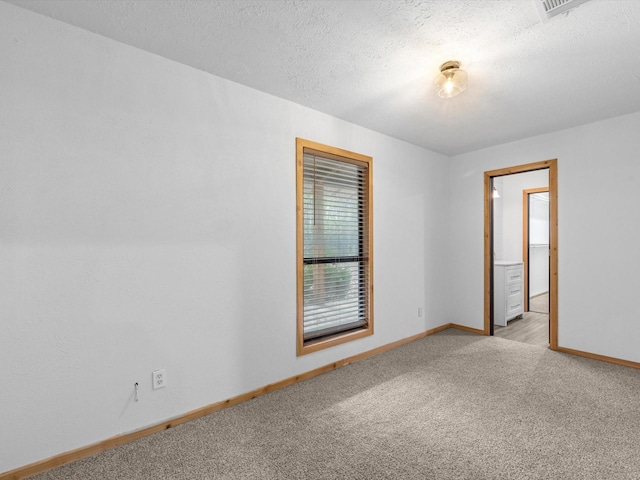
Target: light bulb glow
[
  {"x": 448, "y": 86},
  {"x": 451, "y": 81}
]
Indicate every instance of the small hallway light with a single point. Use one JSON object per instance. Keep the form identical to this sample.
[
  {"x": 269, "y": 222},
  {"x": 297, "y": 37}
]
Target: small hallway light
[
  {"x": 451, "y": 81},
  {"x": 495, "y": 193}
]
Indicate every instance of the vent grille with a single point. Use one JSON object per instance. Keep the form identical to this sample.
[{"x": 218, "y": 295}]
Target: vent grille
[{"x": 551, "y": 8}]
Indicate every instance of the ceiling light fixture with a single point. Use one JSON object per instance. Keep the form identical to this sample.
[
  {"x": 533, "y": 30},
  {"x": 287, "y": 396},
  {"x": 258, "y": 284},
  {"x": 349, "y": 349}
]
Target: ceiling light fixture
[
  {"x": 495, "y": 193},
  {"x": 451, "y": 81}
]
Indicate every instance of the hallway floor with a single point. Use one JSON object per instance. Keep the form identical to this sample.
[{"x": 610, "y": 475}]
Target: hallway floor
[{"x": 533, "y": 327}]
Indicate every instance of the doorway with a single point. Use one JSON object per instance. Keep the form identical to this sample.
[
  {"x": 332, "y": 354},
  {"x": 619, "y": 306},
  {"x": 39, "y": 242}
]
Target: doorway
[
  {"x": 489, "y": 243},
  {"x": 535, "y": 249}
]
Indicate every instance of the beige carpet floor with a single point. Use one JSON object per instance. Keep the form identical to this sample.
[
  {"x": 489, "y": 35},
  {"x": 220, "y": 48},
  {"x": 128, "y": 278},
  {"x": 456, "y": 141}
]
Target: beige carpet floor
[{"x": 451, "y": 406}]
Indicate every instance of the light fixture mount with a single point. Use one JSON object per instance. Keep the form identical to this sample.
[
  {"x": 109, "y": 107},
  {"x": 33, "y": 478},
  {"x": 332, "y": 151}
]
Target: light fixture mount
[
  {"x": 451, "y": 80},
  {"x": 449, "y": 65}
]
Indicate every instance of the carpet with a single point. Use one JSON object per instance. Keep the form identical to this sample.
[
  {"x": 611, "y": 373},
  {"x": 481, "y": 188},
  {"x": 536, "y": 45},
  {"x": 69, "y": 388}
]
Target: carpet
[{"x": 450, "y": 406}]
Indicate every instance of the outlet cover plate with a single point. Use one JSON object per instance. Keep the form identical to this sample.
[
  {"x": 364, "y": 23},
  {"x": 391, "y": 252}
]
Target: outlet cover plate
[{"x": 159, "y": 379}]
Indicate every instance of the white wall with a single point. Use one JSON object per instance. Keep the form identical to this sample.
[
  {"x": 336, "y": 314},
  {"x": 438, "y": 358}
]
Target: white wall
[
  {"x": 538, "y": 270},
  {"x": 598, "y": 181},
  {"x": 147, "y": 220},
  {"x": 511, "y": 198},
  {"x": 507, "y": 216}
]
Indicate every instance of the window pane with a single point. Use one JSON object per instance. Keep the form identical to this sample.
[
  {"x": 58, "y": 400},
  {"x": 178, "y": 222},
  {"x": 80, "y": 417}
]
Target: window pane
[
  {"x": 334, "y": 286},
  {"x": 333, "y": 208},
  {"x": 333, "y": 219},
  {"x": 332, "y": 298}
]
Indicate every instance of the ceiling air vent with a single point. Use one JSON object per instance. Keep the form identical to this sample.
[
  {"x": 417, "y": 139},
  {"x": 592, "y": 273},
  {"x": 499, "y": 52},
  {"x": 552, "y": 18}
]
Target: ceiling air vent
[{"x": 551, "y": 8}]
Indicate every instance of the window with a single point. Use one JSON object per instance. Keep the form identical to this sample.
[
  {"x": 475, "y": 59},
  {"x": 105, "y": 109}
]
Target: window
[{"x": 334, "y": 246}]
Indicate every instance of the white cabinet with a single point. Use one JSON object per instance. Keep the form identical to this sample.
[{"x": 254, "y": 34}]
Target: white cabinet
[{"x": 508, "y": 291}]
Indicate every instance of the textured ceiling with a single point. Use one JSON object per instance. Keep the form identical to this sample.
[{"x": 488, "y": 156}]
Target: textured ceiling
[{"x": 373, "y": 62}]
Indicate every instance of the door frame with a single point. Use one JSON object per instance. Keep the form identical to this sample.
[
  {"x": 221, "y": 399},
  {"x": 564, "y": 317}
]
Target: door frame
[
  {"x": 525, "y": 238},
  {"x": 552, "y": 166}
]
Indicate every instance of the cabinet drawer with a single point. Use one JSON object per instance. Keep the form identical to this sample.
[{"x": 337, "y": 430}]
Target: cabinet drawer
[
  {"x": 514, "y": 289},
  {"x": 514, "y": 306},
  {"x": 513, "y": 275}
]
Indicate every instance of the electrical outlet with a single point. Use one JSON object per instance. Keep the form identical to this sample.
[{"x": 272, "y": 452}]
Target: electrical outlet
[
  {"x": 419, "y": 312},
  {"x": 159, "y": 379}
]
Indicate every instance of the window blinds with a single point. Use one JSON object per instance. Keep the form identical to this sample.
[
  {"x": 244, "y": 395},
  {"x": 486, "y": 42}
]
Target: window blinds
[{"x": 335, "y": 248}]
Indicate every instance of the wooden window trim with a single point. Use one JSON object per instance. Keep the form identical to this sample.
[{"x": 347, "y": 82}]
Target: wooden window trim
[{"x": 305, "y": 347}]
